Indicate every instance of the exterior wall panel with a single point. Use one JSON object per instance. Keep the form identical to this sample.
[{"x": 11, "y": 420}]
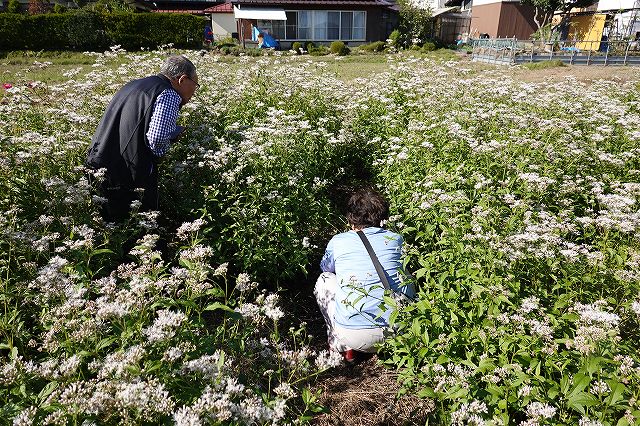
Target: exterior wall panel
[
  {"x": 516, "y": 20},
  {"x": 223, "y": 24},
  {"x": 485, "y": 19}
]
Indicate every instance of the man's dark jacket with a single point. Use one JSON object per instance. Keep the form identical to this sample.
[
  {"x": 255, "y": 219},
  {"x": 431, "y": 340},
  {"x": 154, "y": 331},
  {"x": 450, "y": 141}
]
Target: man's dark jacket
[{"x": 120, "y": 143}]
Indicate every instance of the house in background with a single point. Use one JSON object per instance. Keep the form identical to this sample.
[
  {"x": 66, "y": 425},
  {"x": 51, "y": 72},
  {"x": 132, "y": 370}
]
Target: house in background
[
  {"x": 223, "y": 22},
  {"x": 473, "y": 18},
  {"x": 451, "y": 19},
  {"x": 503, "y": 19},
  {"x": 321, "y": 21}
]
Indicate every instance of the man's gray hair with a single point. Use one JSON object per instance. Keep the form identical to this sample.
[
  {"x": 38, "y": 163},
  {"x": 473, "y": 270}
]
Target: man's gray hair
[{"x": 176, "y": 65}]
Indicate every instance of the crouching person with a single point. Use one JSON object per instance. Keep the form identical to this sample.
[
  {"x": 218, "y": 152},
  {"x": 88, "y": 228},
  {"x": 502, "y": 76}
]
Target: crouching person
[{"x": 349, "y": 291}]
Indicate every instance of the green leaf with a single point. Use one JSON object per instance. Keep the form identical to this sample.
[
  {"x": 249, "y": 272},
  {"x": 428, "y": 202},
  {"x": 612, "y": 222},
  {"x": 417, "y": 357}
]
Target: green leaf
[
  {"x": 617, "y": 391},
  {"x": 217, "y": 305},
  {"x": 580, "y": 382},
  {"x": 47, "y": 390},
  {"x": 427, "y": 393},
  {"x": 622, "y": 422},
  {"x": 593, "y": 365},
  {"x": 579, "y": 400},
  {"x": 421, "y": 272},
  {"x": 105, "y": 342}
]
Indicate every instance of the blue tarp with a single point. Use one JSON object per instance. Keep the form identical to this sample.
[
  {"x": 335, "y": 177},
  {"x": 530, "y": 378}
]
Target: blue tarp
[{"x": 268, "y": 40}]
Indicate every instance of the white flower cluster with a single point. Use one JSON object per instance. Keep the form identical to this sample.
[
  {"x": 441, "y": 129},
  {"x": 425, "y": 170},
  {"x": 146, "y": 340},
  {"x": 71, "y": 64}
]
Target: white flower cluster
[
  {"x": 165, "y": 326},
  {"x": 188, "y": 228},
  {"x": 595, "y": 325},
  {"x": 470, "y": 414},
  {"x": 265, "y": 306}
]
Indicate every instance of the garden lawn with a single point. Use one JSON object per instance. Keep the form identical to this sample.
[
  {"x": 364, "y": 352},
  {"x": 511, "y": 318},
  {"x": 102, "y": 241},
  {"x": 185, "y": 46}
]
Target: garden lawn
[{"x": 517, "y": 197}]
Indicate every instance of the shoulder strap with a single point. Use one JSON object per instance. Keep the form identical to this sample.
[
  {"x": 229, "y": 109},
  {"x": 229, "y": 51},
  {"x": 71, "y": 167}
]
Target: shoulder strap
[{"x": 376, "y": 262}]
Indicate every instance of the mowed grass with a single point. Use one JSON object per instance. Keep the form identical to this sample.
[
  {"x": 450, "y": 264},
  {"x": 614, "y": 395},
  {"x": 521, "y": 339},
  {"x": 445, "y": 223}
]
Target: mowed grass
[{"x": 21, "y": 67}]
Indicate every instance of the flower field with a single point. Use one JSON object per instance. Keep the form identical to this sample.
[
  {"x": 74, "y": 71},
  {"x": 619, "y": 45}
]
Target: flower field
[{"x": 519, "y": 204}]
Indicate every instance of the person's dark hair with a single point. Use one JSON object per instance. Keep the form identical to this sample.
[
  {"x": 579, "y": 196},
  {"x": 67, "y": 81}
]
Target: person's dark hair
[
  {"x": 366, "y": 208},
  {"x": 177, "y": 65}
]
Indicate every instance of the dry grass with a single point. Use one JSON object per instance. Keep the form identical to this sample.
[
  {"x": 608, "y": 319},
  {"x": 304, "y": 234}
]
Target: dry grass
[{"x": 365, "y": 394}]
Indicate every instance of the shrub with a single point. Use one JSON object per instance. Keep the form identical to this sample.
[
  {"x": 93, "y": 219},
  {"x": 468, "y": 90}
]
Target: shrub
[
  {"x": 85, "y": 29},
  {"x": 376, "y": 46},
  {"x": 309, "y": 45},
  {"x": 339, "y": 48},
  {"x": 225, "y": 42},
  {"x": 395, "y": 38},
  {"x": 58, "y": 8},
  {"x": 428, "y": 47},
  {"x": 415, "y": 23},
  {"x": 318, "y": 51},
  {"x": 296, "y": 46},
  {"x": 13, "y": 6},
  {"x": 545, "y": 64}
]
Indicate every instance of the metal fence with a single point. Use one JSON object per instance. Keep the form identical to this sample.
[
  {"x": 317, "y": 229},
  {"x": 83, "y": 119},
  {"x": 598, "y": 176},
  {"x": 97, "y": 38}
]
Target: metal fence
[{"x": 574, "y": 52}]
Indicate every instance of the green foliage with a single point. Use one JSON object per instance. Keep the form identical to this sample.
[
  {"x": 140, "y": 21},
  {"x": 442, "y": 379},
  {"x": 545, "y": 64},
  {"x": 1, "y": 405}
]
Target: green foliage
[
  {"x": 13, "y": 6},
  {"x": 339, "y": 48},
  {"x": 296, "y": 46},
  {"x": 85, "y": 29},
  {"x": 415, "y": 24},
  {"x": 318, "y": 50},
  {"x": 376, "y": 46},
  {"x": 59, "y": 8},
  {"x": 106, "y": 6},
  {"x": 544, "y": 64},
  {"x": 428, "y": 47},
  {"x": 519, "y": 215},
  {"x": 395, "y": 39},
  {"x": 225, "y": 42}
]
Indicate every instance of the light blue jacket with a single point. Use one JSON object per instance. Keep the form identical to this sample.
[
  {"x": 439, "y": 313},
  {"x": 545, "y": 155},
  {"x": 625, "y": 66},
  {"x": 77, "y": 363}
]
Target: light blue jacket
[{"x": 359, "y": 292}]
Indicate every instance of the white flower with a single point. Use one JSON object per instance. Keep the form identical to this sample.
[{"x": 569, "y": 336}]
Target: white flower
[
  {"x": 26, "y": 417},
  {"x": 328, "y": 359},
  {"x": 285, "y": 390},
  {"x": 600, "y": 388},
  {"x": 538, "y": 410},
  {"x": 164, "y": 327}
]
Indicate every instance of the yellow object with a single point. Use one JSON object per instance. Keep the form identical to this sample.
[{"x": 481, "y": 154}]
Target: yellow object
[{"x": 588, "y": 30}]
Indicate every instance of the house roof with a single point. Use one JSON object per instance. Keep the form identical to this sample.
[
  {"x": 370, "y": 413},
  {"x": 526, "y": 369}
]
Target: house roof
[
  {"x": 220, "y": 8},
  {"x": 189, "y": 11},
  {"x": 380, "y": 3}
]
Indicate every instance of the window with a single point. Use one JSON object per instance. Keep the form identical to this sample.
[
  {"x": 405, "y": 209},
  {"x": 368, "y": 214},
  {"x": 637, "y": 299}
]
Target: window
[
  {"x": 358, "y": 26},
  {"x": 292, "y": 25},
  {"x": 333, "y": 26},
  {"x": 320, "y": 25},
  {"x": 320, "y": 18},
  {"x": 277, "y": 29},
  {"x": 304, "y": 25},
  {"x": 346, "y": 26}
]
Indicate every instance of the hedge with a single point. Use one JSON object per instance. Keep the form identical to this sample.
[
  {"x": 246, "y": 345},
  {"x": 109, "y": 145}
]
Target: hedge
[{"x": 87, "y": 30}]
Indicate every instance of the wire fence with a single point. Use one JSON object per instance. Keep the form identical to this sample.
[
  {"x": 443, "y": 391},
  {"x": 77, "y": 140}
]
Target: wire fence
[{"x": 574, "y": 52}]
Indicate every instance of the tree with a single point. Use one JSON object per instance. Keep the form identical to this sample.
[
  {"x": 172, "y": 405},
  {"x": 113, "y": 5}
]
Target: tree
[
  {"x": 37, "y": 7},
  {"x": 13, "y": 6},
  {"x": 545, "y": 9},
  {"x": 415, "y": 23}
]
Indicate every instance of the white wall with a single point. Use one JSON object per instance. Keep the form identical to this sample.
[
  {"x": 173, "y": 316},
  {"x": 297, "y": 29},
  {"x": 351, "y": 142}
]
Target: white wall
[
  {"x": 615, "y": 4},
  {"x": 223, "y": 24}
]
